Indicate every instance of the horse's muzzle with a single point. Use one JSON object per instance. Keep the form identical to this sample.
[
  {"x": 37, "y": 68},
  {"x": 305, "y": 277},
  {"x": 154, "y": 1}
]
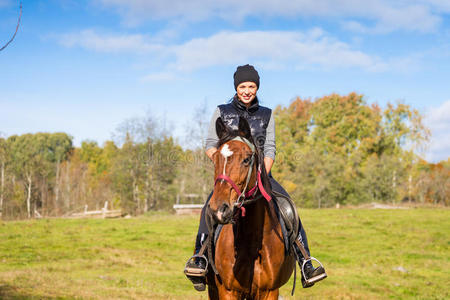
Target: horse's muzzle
[{"x": 224, "y": 214}]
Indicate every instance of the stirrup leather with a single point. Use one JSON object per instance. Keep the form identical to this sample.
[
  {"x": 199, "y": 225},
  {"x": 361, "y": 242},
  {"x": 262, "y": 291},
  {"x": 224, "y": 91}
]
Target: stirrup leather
[
  {"x": 316, "y": 278},
  {"x": 196, "y": 272}
]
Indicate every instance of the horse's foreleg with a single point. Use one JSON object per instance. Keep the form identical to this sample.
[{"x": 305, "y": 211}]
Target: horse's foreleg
[
  {"x": 213, "y": 294},
  {"x": 225, "y": 294},
  {"x": 268, "y": 295}
]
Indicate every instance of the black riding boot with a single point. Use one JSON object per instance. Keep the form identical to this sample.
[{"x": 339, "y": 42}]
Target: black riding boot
[
  {"x": 310, "y": 275},
  {"x": 196, "y": 266}
]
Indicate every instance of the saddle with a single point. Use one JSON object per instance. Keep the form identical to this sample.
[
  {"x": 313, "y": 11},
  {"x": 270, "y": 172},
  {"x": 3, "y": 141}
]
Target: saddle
[{"x": 288, "y": 217}]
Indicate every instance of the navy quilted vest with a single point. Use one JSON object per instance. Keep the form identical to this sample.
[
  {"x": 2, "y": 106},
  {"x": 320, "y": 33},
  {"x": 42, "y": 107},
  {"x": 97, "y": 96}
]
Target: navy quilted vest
[{"x": 258, "y": 118}]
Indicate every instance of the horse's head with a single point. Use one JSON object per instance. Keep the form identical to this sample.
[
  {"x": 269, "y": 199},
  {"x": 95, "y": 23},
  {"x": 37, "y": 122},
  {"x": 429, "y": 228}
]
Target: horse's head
[{"x": 235, "y": 169}]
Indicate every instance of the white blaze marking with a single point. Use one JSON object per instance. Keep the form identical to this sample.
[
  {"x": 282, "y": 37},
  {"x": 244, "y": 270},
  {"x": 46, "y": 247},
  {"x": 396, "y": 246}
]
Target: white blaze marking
[{"x": 226, "y": 152}]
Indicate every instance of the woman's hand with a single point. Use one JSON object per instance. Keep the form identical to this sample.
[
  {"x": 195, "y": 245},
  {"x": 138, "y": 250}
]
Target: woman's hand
[
  {"x": 210, "y": 152},
  {"x": 268, "y": 162}
]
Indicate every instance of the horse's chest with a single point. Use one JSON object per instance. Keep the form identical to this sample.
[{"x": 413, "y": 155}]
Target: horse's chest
[{"x": 248, "y": 262}]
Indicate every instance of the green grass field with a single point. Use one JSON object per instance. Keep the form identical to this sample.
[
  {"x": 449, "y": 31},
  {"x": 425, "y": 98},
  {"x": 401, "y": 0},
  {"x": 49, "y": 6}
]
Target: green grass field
[{"x": 368, "y": 254}]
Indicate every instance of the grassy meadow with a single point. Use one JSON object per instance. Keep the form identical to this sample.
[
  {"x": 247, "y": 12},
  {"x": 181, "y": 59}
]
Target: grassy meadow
[{"x": 368, "y": 254}]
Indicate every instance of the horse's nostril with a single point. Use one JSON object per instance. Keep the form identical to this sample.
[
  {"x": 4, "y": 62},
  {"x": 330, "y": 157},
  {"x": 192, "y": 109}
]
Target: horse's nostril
[
  {"x": 223, "y": 213},
  {"x": 223, "y": 208}
]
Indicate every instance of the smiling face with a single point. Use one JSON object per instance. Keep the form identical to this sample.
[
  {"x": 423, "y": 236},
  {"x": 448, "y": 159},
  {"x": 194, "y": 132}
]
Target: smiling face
[{"x": 246, "y": 92}]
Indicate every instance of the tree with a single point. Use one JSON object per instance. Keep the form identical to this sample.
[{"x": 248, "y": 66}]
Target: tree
[
  {"x": 60, "y": 146},
  {"x": 135, "y": 165},
  {"x": 432, "y": 182},
  {"x": 338, "y": 149},
  {"x": 196, "y": 171}
]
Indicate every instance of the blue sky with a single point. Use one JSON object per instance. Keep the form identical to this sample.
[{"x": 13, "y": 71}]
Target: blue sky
[{"x": 84, "y": 67}]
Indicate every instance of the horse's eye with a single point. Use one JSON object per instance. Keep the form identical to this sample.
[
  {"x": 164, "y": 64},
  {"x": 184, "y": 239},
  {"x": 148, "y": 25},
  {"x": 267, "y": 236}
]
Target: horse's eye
[{"x": 247, "y": 160}]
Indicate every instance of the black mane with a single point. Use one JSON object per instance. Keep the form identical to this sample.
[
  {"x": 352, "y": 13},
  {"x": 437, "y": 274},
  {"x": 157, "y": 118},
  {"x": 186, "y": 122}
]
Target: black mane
[
  {"x": 225, "y": 134},
  {"x": 228, "y": 135}
]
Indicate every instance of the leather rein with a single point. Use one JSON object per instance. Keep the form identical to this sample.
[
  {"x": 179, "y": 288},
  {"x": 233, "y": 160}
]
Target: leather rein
[{"x": 246, "y": 197}]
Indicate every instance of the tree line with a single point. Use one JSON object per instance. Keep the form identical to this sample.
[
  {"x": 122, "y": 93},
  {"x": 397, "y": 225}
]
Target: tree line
[
  {"x": 331, "y": 150},
  {"x": 340, "y": 150}
]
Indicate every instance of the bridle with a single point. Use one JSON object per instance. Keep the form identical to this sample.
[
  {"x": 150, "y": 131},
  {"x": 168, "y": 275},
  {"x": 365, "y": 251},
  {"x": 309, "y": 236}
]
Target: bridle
[{"x": 244, "y": 196}]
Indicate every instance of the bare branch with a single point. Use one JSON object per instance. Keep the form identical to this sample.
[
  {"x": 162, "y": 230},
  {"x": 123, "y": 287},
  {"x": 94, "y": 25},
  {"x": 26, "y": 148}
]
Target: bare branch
[{"x": 17, "y": 28}]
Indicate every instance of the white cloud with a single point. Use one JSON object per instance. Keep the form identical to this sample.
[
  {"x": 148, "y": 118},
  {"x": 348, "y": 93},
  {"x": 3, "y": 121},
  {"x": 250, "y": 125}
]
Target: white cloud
[
  {"x": 89, "y": 39},
  {"x": 438, "y": 120},
  {"x": 294, "y": 48},
  {"x": 439, "y": 5},
  {"x": 385, "y": 15},
  {"x": 354, "y": 26},
  {"x": 409, "y": 17},
  {"x": 313, "y": 48}
]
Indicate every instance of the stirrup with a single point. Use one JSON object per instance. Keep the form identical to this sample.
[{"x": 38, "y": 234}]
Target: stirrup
[
  {"x": 196, "y": 272},
  {"x": 312, "y": 280}
]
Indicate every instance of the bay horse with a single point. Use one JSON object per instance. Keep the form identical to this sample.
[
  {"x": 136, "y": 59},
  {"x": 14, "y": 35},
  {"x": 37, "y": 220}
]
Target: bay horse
[{"x": 250, "y": 257}]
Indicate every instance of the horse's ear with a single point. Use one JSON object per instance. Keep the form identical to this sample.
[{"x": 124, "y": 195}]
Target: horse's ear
[
  {"x": 244, "y": 129},
  {"x": 221, "y": 129}
]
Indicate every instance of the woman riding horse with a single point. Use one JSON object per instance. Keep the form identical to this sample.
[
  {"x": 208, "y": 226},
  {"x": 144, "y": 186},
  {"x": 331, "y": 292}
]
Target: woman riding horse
[{"x": 261, "y": 121}]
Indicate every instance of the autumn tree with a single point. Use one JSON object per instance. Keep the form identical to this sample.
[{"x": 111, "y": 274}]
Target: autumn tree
[{"x": 339, "y": 149}]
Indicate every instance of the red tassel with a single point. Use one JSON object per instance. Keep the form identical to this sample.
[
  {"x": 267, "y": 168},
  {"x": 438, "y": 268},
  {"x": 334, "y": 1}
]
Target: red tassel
[
  {"x": 242, "y": 211},
  {"x": 261, "y": 188}
]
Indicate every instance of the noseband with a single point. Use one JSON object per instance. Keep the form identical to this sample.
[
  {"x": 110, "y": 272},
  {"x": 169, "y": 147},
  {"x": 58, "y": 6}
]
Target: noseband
[{"x": 245, "y": 196}]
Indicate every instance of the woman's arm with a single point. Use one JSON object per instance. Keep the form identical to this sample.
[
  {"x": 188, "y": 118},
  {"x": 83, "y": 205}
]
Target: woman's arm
[
  {"x": 269, "y": 145},
  {"x": 212, "y": 138}
]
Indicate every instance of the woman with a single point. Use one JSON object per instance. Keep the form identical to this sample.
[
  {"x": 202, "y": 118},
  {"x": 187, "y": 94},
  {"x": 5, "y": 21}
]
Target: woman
[{"x": 245, "y": 103}]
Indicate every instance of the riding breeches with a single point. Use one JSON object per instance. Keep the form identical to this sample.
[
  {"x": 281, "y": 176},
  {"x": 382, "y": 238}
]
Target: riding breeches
[{"x": 203, "y": 228}]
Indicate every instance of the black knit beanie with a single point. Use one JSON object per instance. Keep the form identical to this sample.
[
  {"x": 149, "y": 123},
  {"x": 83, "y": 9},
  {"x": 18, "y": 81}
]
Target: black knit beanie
[{"x": 245, "y": 73}]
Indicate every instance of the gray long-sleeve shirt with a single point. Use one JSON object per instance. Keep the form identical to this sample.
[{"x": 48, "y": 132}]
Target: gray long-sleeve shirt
[{"x": 269, "y": 145}]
